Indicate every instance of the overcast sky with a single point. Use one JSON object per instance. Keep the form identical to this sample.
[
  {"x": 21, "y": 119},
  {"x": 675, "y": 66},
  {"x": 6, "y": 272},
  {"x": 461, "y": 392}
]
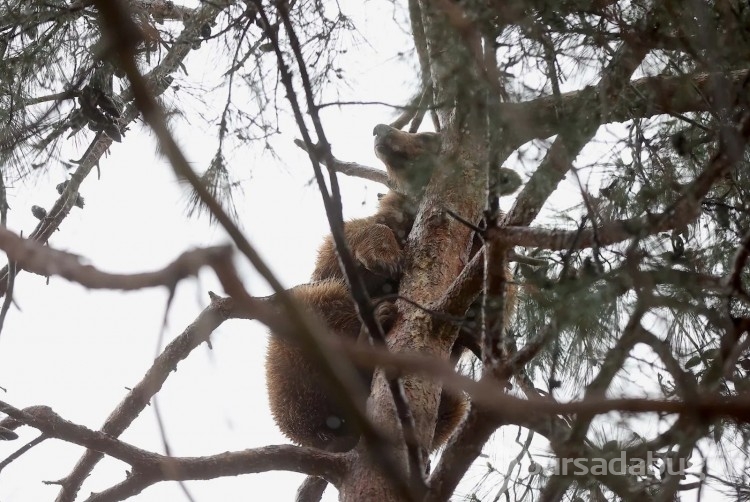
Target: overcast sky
[{"x": 78, "y": 351}]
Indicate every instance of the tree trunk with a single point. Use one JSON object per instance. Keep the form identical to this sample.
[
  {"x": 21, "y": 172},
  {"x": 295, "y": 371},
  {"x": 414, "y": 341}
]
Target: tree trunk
[{"x": 436, "y": 252}]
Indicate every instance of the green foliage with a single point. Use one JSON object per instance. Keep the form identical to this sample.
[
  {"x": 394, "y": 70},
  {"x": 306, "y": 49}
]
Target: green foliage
[{"x": 683, "y": 289}]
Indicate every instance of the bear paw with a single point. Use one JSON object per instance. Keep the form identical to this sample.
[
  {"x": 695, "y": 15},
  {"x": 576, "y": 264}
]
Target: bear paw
[
  {"x": 379, "y": 252},
  {"x": 386, "y": 313}
]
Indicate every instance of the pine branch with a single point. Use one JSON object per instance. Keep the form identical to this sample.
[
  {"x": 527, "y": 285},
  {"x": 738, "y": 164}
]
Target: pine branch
[
  {"x": 158, "y": 80},
  {"x": 643, "y": 98},
  {"x": 568, "y": 144}
]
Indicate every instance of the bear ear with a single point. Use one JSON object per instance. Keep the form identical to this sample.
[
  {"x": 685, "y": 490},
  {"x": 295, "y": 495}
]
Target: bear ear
[
  {"x": 507, "y": 181},
  {"x": 431, "y": 140}
]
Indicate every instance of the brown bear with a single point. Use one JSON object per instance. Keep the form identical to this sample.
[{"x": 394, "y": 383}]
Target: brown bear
[
  {"x": 300, "y": 403},
  {"x": 302, "y": 408},
  {"x": 377, "y": 241}
]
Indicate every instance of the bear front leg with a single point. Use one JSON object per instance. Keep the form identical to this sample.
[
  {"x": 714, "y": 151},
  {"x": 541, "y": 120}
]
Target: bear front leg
[
  {"x": 376, "y": 248},
  {"x": 385, "y": 314}
]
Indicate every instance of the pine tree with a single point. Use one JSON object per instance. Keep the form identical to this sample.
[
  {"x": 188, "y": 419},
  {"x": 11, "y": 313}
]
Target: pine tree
[{"x": 628, "y": 243}]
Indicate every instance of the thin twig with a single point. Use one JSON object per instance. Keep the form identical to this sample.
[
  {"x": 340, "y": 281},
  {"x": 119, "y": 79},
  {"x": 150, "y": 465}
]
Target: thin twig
[{"x": 332, "y": 204}]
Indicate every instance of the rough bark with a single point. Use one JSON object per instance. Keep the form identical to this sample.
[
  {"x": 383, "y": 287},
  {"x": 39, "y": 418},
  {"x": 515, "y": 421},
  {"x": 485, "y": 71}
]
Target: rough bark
[{"x": 437, "y": 250}]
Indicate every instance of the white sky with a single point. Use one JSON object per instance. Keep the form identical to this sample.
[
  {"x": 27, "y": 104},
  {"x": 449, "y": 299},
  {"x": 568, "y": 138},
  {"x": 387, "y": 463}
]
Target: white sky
[{"x": 78, "y": 350}]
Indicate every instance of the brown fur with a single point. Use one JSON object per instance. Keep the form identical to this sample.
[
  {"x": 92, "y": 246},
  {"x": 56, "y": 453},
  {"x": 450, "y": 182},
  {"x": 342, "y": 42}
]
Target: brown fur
[
  {"x": 300, "y": 403},
  {"x": 377, "y": 241},
  {"x": 301, "y": 407}
]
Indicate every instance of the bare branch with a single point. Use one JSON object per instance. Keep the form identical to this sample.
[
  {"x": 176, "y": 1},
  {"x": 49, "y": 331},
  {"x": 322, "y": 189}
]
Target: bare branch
[
  {"x": 23, "y": 449},
  {"x": 351, "y": 168},
  {"x": 311, "y": 490},
  {"x": 140, "y": 395},
  {"x": 410, "y": 111},
  {"x": 35, "y": 257},
  {"x": 160, "y": 467},
  {"x": 462, "y": 450}
]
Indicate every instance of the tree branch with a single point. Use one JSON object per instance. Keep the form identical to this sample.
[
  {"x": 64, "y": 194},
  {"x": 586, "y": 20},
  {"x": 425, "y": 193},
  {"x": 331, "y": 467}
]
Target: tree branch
[
  {"x": 509, "y": 409},
  {"x": 311, "y": 489},
  {"x": 568, "y": 144},
  {"x": 35, "y": 257},
  {"x": 158, "y": 467},
  {"x": 351, "y": 168},
  {"x": 157, "y": 80},
  {"x": 140, "y": 395},
  {"x": 646, "y": 97},
  {"x": 682, "y": 212},
  {"x": 462, "y": 450}
]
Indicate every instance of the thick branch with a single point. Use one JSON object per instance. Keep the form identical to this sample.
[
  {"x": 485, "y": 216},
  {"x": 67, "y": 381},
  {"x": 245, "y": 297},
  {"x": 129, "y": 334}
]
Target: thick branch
[
  {"x": 351, "y": 168},
  {"x": 574, "y": 137},
  {"x": 309, "y": 461},
  {"x": 463, "y": 449},
  {"x": 35, "y": 257},
  {"x": 642, "y": 98}
]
